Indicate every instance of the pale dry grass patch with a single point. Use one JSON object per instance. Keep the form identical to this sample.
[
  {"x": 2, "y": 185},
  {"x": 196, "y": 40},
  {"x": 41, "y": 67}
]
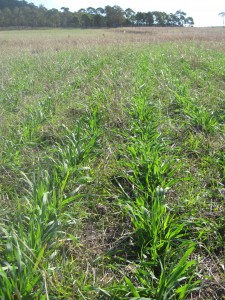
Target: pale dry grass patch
[
  {"x": 170, "y": 34},
  {"x": 36, "y": 42}
]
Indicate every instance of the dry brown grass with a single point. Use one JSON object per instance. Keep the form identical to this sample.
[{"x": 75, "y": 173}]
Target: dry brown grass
[
  {"x": 213, "y": 37},
  {"x": 38, "y": 41}
]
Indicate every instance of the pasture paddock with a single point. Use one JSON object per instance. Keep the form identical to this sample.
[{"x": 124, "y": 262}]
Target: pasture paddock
[{"x": 112, "y": 168}]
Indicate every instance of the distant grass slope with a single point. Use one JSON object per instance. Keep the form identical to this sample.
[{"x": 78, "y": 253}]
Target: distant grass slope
[{"x": 112, "y": 164}]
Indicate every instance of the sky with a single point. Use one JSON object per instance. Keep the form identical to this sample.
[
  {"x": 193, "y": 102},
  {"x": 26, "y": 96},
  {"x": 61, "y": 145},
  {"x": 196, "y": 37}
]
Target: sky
[{"x": 204, "y": 13}]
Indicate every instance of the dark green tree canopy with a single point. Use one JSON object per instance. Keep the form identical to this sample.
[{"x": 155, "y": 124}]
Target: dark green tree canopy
[
  {"x": 20, "y": 13},
  {"x": 14, "y": 3}
]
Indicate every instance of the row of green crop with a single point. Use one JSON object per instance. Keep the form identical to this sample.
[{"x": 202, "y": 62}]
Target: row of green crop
[
  {"x": 163, "y": 268},
  {"x": 31, "y": 233},
  {"x": 133, "y": 101}
]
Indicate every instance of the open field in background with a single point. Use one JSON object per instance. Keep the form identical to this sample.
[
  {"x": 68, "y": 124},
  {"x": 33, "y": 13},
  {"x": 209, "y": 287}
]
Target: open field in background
[
  {"x": 112, "y": 164},
  {"x": 36, "y": 41}
]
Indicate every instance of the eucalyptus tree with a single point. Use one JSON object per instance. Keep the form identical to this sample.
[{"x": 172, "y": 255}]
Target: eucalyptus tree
[
  {"x": 189, "y": 21},
  {"x": 172, "y": 20},
  {"x": 100, "y": 11},
  {"x": 140, "y": 19},
  {"x": 7, "y": 17},
  {"x": 114, "y": 16},
  {"x": 42, "y": 15},
  {"x": 160, "y": 18},
  {"x": 28, "y": 15},
  {"x": 181, "y": 17},
  {"x": 99, "y": 19},
  {"x": 66, "y": 17},
  {"x": 53, "y": 18},
  {"x": 130, "y": 16},
  {"x": 75, "y": 21},
  {"x": 85, "y": 20},
  {"x": 222, "y": 14},
  {"x": 1, "y": 19},
  {"x": 82, "y": 10},
  {"x": 149, "y": 19},
  {"x": 16, "y": 17},
  {"x": 90, "y": 10}
]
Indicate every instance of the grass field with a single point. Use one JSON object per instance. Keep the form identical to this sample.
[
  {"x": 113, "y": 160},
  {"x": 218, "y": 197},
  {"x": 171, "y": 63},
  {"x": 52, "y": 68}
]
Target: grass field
[{"x": 112, "y": 164}]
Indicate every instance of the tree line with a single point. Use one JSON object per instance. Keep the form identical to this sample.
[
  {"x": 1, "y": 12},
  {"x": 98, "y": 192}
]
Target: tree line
[{"x": 23, "y": 14}]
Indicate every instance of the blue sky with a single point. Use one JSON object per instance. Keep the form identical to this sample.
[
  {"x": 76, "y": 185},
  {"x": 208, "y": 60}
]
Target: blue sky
[{"x": 205, "y": 13}]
